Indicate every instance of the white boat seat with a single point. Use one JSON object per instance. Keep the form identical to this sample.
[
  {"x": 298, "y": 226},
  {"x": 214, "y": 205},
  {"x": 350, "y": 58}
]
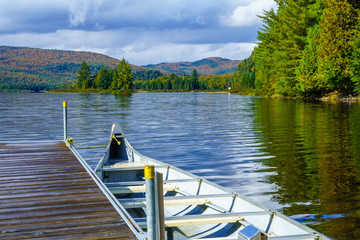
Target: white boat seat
[
  {"x": 125, "y": 167},
  {"x": 109, "y": 169},
  {"x": 173, "y": 201},
  {"x": 139, "y": 189},
  {"x": 188, "y": 220},
  {"x": 122, "y": 167},
  {"x": 167, "y": 202},
  {"x": 295, "y": 237},
  {"x": 120, "y": 184}
]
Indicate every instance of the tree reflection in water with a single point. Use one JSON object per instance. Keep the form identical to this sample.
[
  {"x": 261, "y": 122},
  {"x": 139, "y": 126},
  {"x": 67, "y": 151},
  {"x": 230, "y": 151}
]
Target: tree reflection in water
[{"x": 317, "y": 163}]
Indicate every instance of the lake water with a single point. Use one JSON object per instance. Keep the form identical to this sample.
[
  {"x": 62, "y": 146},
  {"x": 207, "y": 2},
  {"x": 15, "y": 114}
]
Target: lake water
[{"x": 300, "y": 158}]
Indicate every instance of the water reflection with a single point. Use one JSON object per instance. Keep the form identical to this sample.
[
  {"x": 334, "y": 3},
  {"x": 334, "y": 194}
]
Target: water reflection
[
  {"x": 317, "y": 162},
  {"x": 297, "y": 157}
]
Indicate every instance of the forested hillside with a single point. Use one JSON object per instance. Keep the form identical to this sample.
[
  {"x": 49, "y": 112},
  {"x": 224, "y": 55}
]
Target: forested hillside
[
  {"x": 39, "y": 69},
  {"x": 205, "y": 66},
  {"x": 308, "y": 48}
]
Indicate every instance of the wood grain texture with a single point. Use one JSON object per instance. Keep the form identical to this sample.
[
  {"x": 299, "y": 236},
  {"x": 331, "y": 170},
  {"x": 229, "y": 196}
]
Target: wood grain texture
[{"x": 45, "y": 193}]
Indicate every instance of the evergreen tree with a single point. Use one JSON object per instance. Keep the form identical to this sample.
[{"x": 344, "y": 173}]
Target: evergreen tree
[
  {"x": 122, "y": 78},
  {"x": 337, "y": 32},
  {"x": 355, "y": 60},
  {"x": 84, "y": 78},
  {"x": 244, "y": 76},
  {"x": 309, "y": 83},
  {"x": 283, "y": 40},
  {"x": 167, "y": 84},
  {"x": 264, "y": 52},
  {"x": 104, "y": 78},
  {"x": 194, "y": 80}
]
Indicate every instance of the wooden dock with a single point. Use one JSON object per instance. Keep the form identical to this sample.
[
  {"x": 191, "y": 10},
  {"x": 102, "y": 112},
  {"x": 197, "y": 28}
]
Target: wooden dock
[{"x": 45, "y": 193}]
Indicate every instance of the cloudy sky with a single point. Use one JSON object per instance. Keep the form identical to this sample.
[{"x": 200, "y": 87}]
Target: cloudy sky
[{"x": 141, "y": 31}]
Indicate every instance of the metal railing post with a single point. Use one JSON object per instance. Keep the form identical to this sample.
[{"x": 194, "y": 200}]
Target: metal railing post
[
  {"x": 149, "y": 174},
  {"x": 65, "y": 120}
]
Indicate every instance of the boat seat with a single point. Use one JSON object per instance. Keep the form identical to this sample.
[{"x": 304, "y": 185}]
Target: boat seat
[
  {"x": 172, "y": 201},
  {"x": 139, "y": 189},
  {"x": 120, "y": 184},
  {"x": 188, "y": 220},
  {"x": 123, "y": 167}
]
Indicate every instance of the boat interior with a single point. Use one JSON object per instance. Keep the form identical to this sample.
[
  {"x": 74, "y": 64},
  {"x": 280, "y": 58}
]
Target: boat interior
[{"x": 194, "y": 208}]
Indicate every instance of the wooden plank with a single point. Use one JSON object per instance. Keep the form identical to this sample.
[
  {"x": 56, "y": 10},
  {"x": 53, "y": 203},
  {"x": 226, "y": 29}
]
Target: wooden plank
[
  {"x": 46, "y": 193},
  {"x": 120, "y": 229},
  {"x": 74, "y": 217}
]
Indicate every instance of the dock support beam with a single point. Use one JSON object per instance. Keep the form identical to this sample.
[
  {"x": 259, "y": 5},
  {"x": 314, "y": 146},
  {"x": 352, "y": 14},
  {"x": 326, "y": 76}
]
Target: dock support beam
[
  {"x": 160, "y": 205},
  {"x": 149, "y": 173},
  {"x": 65, "y": 121}
]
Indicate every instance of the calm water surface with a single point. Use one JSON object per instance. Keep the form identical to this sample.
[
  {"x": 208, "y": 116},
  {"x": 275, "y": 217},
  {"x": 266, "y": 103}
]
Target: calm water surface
[{"x": 300, "y": 158}]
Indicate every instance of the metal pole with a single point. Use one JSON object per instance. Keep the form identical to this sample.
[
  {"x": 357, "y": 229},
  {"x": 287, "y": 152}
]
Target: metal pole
[
  {"x": 149, "y": 173},
  {"x": 65, "y": 120}
]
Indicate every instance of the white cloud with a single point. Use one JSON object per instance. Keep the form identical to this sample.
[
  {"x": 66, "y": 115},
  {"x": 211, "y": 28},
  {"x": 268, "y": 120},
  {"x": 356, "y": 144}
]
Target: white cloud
[
  {"x": 170, "y": 52},
  {"x": 77, "y": 12},
  {"x": 247, "y": 15},
  {"x": 117, "y": 44},
  {"x": 141, "y": 31}
]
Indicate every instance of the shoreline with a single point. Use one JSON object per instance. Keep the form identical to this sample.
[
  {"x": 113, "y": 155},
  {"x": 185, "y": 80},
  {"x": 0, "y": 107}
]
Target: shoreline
[{"x": 331, "y": 97}]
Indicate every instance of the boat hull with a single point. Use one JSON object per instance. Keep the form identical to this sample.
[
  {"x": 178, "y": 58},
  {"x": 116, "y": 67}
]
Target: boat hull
[{"x": 194, "y": 207}]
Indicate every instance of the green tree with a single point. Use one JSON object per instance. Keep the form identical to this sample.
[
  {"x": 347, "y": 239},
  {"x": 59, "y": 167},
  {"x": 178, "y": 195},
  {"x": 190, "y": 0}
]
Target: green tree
[
  {"x": 244, "y": 76},
  {"x": 283, "y": 39},
  {"x": 104, "y": 78},
  {"x": 194, "y": 80},
  {"x": 84, "y": 78},
  {"x": 309, "y": 83},
  {"x": 265, "y": 75},
  {"x": 337, "y": 33},
  {"x": 122, "y": 78},
  {"x": 355, "y": 61}
]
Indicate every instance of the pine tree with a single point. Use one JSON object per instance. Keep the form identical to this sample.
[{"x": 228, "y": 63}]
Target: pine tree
[
  {"x": 122, "y": 79},
  {"x": 104, "y": 78},
  {"x": 194, "y": 80},
  {"x": 84, "y": 78},
  {"x": 283, "y": 40},
  {"x": 244, "y": 76},
  {"x": 309, "y": 83},
  {"x": 263, "y": 54}
]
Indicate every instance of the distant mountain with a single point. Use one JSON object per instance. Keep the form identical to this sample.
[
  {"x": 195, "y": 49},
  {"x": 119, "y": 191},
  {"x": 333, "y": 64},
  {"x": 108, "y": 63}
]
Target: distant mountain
[
  {"x": 37, "y": 69},
  {"x": 214, "y": 65}
]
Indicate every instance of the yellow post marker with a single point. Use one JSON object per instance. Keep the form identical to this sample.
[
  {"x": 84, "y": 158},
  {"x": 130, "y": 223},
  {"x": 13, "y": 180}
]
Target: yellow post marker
[
  {"x": 64, "y": 104},
  {"x": 149, "y": 172},
  {"x": 152, "y": 230}
]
